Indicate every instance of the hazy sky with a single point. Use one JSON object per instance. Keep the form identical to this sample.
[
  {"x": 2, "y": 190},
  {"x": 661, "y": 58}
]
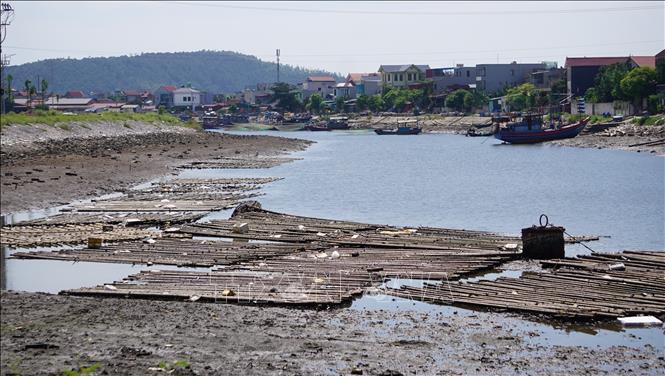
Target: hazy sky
[{"x": 340, "y": 36}]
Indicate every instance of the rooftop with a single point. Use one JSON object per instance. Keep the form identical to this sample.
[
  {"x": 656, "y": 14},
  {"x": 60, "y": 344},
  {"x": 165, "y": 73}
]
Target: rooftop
[
  {"x": 320, "y": 79},
  {"x": 594, "y": 61},
  {"x": 401, "y": 68}
]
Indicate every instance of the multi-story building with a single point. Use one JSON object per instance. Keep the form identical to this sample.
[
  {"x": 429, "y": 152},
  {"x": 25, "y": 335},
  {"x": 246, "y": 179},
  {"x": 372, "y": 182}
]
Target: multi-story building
[
  {"x": 491, "y": 78},
  {"x": 446, "y": 79},
  {"x": 402, "y": 75}
]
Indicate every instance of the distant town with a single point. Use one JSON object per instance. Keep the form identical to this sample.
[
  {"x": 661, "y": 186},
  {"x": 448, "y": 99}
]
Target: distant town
[{"x": 591, "y": 85}]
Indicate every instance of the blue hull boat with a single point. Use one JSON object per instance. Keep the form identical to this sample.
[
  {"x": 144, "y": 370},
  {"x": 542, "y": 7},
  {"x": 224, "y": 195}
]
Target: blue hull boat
[{"x": 522, "y": 135}]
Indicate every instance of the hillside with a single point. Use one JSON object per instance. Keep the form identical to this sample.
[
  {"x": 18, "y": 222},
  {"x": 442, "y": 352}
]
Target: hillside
[{"x": 214, "y": 71}]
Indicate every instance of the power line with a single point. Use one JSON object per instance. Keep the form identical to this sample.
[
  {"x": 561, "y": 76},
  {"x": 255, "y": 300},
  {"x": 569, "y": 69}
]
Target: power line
[{"x": 402, "y": 13}]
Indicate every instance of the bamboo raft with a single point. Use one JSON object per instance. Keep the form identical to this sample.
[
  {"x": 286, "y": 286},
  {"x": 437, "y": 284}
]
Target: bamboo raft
[
  {"x": 61, "y": 234},
  {"x": 155, "y": 205},
  {"x": 272, "y": 226},
  {"x": 209, "y": 185},
  {"x": 127, "y": 219},
  {"x": 381, "y": 264},
  {"x": 239, "y": 287},
  {"x": 589, "y": 287},
  {"x": 165, "y": 251},
  {"x": 238, "y": 163}
]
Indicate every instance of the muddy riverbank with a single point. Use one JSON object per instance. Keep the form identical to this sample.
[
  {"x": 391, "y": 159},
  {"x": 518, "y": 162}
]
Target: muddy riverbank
[
  {"x": 47, "y": 334},
  {"x": 44, "y": 166},
  {"x": 627, "y": 136}
]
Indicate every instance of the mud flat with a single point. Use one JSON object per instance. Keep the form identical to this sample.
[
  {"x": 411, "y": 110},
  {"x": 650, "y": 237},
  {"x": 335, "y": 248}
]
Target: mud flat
[
  {"x": 44, "y": 166},
  {"x": 46, "y": 334}
]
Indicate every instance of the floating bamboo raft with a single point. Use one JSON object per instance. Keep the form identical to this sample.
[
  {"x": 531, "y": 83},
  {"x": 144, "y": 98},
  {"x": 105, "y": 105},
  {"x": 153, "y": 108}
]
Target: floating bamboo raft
[
  {"x": 179, "y": 252},
  {"x": 48, "y": 235},
  {"x": 236, "y": 163},
  {"x": 598, "y": 286},
  {"x": 382, "y": 263},
  {"x": 272, "y": 226},
  {"x": 240, "y": 287},
  {"x": 129, "y": 219},
  {"x": 155, "y": 205}
]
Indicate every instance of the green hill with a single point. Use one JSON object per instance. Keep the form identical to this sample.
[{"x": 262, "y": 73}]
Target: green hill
[{"x": 214, "y": 71}]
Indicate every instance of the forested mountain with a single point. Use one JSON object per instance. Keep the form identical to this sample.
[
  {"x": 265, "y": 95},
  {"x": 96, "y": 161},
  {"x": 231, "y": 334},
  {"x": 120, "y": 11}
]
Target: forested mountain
[{"x": 214, "y": 71}]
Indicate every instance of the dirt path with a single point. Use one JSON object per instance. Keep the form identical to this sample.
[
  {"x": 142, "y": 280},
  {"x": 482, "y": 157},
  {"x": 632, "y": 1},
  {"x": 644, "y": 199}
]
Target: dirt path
[
  {"x": 46, "y": 334},
  {"x": 38, "y": 172}
]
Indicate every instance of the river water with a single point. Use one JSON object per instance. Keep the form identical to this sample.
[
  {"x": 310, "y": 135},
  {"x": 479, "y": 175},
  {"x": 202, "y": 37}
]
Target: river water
[{"x": 441, "y": 180}]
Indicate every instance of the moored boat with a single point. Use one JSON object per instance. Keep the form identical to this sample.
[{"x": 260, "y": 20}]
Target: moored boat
[
  {"x": 338, "y": 122},
  {"x": 529, "y": 129},
  {"x": 403, "y": 128}
]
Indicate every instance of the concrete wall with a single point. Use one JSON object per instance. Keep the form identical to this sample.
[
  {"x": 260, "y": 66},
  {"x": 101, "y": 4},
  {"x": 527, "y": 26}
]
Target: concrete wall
[{"x": 614, "y": 108}]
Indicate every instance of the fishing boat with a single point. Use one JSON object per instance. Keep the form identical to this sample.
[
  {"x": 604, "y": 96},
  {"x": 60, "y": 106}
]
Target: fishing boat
[
  {"x": 317, "y": 128},
  {"x": 338, "y": 122},
  {"x": 529, "y": 129},
  {"x": 403, "y": 128}
]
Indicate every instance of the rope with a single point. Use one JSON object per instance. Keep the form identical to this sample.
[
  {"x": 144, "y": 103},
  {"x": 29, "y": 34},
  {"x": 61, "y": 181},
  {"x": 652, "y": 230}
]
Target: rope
[{"x": 548, "y": 224}]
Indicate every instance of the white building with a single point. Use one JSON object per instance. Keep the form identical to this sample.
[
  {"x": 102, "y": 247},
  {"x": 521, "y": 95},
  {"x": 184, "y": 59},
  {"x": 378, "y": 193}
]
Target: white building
[
  {"x": 186, "y": 97},
  {"x": 323, "y": 85}
]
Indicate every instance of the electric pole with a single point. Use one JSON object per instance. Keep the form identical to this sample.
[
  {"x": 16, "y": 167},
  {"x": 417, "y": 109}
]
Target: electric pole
[
  {"x": 278, "y": 65},
  {"x": 6, "y": 16}
]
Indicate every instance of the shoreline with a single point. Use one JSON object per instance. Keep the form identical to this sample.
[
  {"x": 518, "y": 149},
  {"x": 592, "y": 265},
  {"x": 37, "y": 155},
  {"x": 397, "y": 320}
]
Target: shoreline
[{"x": 53, "y": 171}]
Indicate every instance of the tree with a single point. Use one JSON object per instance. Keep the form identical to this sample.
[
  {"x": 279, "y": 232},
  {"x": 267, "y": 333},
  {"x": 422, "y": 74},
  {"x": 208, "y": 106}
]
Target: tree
[
  {"x": 639, "y": 83},
  {"x": 521, "y": 97},
  {"x": 660, "y": 70},
  {"x": 10, "y": 98},
  {"x": 29, "y": 89},
  {"x": 286, "y": 97},
  {"x": 455, "y": 100},
  {"x": 339, "y": 104},
  {"x": 375, "y": 103},
  {"x": 44, "y": 87},
  {"x": 315, "y": 103},
  {"x": 608, "y": 82},
  {"x": 362, "y": 102}
]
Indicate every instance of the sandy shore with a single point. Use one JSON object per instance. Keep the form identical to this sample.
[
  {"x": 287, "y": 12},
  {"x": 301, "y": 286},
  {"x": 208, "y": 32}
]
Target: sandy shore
[
  {"x": 46, "y": 334},
  {"x": 44, "y": 166}
]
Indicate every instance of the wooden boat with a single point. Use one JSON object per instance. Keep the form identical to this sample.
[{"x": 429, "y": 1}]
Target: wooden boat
[
  {"x": 338, "y": 122},
  {"x": 529, "y": 129},
  {"x": 317, "y": 128},
  {"x": 403, "y": 128}
]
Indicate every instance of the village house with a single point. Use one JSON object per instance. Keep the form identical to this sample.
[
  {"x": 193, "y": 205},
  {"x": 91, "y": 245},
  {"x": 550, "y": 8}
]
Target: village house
[
  {"x": 186, "y": 97},
  {"x": 164, "y": 96},
  {"x": 345, "y": 90},
  {"x": 75, "y": 94},
  {"x": 362, "y": 84},
  {"x": 544, "y": 79},
  {"x": 491, "y": 78},
  {"x": 137, "y": 96},
  {"x": 69, "y": 104},
  {"x": 323, "y": 85},
  {"x": 582, "y": 71},
  {"x": 447, "y": 79},
  {"x": 402, "y": 75}
]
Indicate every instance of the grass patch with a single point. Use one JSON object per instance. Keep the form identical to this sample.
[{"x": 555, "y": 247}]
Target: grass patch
[
  {"x": 53, "y": 117},
  {"x": 649, "y": 120},
  {"x": 83, "y": 371},
  {"x": 173, "y": 368}
]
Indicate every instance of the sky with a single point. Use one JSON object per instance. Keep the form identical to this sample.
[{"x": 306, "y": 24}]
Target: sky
[{"x": 340, "y": 36}]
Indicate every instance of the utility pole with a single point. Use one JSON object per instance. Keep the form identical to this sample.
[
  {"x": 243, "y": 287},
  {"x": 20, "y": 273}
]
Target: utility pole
[
  {"x": 278, "y": 65},
  {"x": 6, "y": 16}
]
